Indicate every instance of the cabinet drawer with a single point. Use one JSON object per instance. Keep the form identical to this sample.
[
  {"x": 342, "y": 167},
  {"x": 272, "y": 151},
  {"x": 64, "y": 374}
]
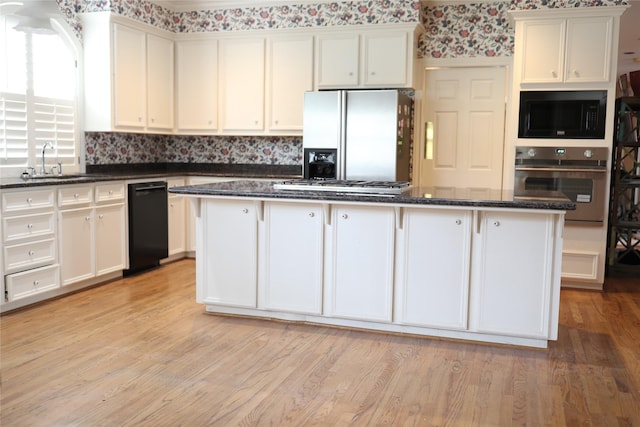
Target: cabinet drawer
[
  {"x": 113, "y": 191},
  {"x": 175, "y": 182},
  {"x": 29, "y": 255},
  {"x": 25, "y": 200},
  {"x": 75, "y": 195},
  {"x": 26, "y": 226},
  {"x": 31, "y": 282}
]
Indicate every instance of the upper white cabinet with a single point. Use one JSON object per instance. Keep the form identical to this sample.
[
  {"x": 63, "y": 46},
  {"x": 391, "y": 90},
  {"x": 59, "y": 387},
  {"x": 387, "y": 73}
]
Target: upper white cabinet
[
  {"x": 242, "y": 84},
  {"x": 197, "y": 86},
  {"x": 371, "y": 58},
  {"x": 289, "y": 76},
  {"x": 128, "y": 75},
  {"x": 565, "y": 47},
  {"x": 160, "y": 82}
]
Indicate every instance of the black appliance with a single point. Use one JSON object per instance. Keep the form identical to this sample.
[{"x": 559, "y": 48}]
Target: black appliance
[
  {"x": 148, "y": 225},
  {"x": 320, "y": 163},
  {"x": 577, "y": 114}
]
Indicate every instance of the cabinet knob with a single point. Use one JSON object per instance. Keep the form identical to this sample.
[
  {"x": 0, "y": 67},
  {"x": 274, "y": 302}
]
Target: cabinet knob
[
  {"x": 210, "y": 122},
  {"x": 312, "y": 214},
  {"x": 345, "y": 216},
  {"x": 101, "y": 216},
  {"x": 32, "y": 253},
  {"x": 554, "y": 74},
  {"x": 373, "y": 73},
  {"x": 245, "y": 210},
  {"x": 36, "y": 282},
  {"x": 351, "y": 73},
  {"x": 87, "y": 218},
  {"x": 496, "y": 223},
  {"x": 153, "y": 120},
  {"x": 275, "y": 122},
  {"x": 29, "y": 226},
  {"x": 110, "y": 192},
  {"x": 139, "y": 119},
  {"x": 76, "y": 195},
  {"x": 458, "y": 221},
  {"x": 170, "y": 205},
  {"x": 29, "y": 200},
  {"x": 576, "y": 73}
]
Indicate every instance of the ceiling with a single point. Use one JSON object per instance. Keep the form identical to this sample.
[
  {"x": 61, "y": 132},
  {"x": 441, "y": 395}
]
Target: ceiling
[{"x": 628, "y": 52}]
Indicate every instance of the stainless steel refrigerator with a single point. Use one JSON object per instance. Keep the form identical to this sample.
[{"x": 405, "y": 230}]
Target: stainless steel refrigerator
[{"x": 357, "y": 135}]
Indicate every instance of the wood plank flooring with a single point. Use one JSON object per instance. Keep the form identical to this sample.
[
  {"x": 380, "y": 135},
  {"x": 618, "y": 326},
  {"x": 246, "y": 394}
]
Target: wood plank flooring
[{"x": 140, "y": 352}]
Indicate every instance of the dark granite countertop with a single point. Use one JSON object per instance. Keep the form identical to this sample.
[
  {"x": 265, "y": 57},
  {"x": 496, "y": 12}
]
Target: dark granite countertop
[
  {"x": 414, "y": 195},
  {"x": 154, "y": 171}
]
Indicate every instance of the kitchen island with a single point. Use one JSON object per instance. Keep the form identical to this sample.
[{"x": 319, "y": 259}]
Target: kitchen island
[{"x": 453, "y": 263}]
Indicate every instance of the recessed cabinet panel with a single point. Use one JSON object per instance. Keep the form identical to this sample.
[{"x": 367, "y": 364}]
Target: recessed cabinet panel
[
  {"x": 290, "y": 76},
  {"x": 160, "y": 83},
  {"x": 130, "y": 85},
  {"x": 338, "y": 60},
  {"x": 242, "y": 84},
  {"x": 385, "y": 59},
  {"x": 543, "y": 51},
  {"x": 110, "y": 238},
  {"x": 197, "y": 85},
  {"x": 293, "y": 252},
  {"x": 76, "y": 240},
  {"x": 588, "y": 49}
]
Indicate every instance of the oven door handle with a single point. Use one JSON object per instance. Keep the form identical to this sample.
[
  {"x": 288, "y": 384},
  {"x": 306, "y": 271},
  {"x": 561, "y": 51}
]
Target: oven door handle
[{"x": 603, "y": 170}]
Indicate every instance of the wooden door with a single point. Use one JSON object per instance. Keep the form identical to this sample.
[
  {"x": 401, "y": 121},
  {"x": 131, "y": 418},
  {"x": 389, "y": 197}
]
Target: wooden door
[{"x": 464, "y": 112}]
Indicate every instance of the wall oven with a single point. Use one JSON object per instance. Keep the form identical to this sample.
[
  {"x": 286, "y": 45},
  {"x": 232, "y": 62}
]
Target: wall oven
[{"x": 578, "y": 172}]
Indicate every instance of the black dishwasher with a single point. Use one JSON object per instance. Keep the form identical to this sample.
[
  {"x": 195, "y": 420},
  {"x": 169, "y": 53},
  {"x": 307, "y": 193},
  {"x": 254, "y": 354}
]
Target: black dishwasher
[{"x": 148, "y": 225}]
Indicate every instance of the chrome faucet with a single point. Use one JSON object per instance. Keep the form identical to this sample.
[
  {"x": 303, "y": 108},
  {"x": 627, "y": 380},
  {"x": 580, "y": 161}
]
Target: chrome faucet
[{"x": 43, "y": 171}]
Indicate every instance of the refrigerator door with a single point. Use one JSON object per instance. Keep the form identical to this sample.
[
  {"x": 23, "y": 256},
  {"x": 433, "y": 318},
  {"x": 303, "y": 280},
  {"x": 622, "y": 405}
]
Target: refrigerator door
[
  {"x": 322, "y": 119},
  {"x": 371, "y": 135}
]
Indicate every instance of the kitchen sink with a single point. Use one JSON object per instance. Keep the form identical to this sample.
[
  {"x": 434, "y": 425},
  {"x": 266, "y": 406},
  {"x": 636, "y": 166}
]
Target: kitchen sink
[{"x": 58, "y": 177}]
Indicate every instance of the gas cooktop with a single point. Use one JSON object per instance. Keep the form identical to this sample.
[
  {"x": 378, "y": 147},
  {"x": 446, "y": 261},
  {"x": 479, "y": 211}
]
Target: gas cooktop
[{"x": 345, "y": 186}]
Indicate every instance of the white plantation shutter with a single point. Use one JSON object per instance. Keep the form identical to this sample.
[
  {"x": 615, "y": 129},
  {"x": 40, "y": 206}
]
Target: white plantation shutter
[
  {"x": 14, "y": 142},
  {"x": 54, "y": 120}
]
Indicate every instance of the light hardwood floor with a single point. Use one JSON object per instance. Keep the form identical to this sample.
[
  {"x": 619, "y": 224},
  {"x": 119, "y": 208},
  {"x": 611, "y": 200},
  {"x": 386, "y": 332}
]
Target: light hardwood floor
[{"x": 140, "y": 351}]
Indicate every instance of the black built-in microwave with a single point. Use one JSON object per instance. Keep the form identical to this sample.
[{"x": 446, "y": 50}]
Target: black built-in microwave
[{"x": 577, "y": 114}]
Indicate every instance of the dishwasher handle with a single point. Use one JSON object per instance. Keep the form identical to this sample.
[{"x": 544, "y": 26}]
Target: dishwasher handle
[{"x": 156, "y": 187}]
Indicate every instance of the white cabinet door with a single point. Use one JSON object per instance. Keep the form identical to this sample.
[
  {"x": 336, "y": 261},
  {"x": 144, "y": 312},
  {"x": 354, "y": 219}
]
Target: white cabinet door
[
  {"x": 130, "y": 85},
  {"x": 511, "y": 287},
  {"x": 77, "y": 243},
  {"x": 197, "y": 85},
  {"x": 242, "y": 84},
  {"x": 290, "y": 75},
  {"x": 543, "y": 51},
  {"x": 588, "y": 51},
  {"x": 160, "y": 83},
  {"x": 362, "y": 259},
  {"x": 293, "y": 258},
  {"x": 338, "y": 60},
  {"x": 110, "y": 238},
  {"x": 434, "y": 290},
  {"x": 385, "y": 59},
  {"x": 177, "y": 219},
  {"x": 228, "y": 230}
]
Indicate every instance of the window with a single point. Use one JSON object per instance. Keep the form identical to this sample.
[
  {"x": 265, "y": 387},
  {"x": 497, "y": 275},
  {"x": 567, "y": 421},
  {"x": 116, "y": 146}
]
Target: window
[{"x": 38, "y": 99}]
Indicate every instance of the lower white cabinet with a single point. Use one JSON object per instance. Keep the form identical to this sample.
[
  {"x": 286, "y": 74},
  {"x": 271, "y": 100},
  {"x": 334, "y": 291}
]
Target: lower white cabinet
[
  {"x": 92, "y": 233},
  {"x": 512, "y": 284},
  {"x": 229, "y": 271},
  {"x": 177, "y": 217},
  {"x": 77, "y": 243},
  {"x": 361, "y": 264},
  {"x": 434, "y": 287},
  {"x": 32, "y": 282},
  {"x": 293, "y": 257}
]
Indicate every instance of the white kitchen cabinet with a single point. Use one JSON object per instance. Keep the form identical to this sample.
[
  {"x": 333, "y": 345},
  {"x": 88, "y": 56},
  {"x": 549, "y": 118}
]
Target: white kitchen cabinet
[
  {"x": 92, "y": 230},
  {"x": 289, "y": 76},
  {"x": 293, "y": 257},
  {"x": 29, "y": 258},
  {"x": 511, "y": 286},
  {"x": 241, "y": 84},
  {"x": 197, "y": 86},
  {"x": 571, "y": 50},
  {"x": 366, "y": 59},
  {"x": 77, "y": 245},
  {"x": 361, "y": 271},
  {"x": 338, "y": 60},
  {"x": 177, "y": 219},
  {"x": 229, "y": 272},
  {"x": 385, "y": 59},
  {"x": 128, "y": 75},
  {"x": 434, "y": 287},
  {"x": 160, "y": 83}
]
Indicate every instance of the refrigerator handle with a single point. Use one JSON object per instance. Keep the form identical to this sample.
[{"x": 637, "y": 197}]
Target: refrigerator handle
[{"x": 342, "y": 144}]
